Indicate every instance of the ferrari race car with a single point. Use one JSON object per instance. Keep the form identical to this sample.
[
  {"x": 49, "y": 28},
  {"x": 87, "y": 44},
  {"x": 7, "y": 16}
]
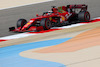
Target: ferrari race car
[{"x": 58, "y": 16}]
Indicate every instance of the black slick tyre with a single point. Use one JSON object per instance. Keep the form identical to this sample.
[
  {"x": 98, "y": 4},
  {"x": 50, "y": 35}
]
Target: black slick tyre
[
  {"x": 21, "y": 23},
  {"x": 46, "y": 23},
  {"x": 84, "y": 16}
]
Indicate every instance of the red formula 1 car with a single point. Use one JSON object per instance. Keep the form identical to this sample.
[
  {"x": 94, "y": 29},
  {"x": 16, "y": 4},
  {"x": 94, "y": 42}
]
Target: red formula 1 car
[{"x": 60, "y": 16}]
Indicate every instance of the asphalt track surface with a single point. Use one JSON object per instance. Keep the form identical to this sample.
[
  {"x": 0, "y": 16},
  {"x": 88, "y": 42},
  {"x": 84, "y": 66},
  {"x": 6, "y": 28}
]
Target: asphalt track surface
[{"x": 8, "y": 17}]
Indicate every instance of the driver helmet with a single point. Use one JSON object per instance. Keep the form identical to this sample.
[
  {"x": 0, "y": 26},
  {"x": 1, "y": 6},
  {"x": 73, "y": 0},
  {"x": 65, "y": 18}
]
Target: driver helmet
[{"x": 49, "y": 12}]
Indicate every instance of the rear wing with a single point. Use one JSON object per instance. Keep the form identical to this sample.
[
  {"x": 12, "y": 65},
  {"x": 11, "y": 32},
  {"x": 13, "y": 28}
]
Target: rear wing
[{"x": 79, "y": 6}]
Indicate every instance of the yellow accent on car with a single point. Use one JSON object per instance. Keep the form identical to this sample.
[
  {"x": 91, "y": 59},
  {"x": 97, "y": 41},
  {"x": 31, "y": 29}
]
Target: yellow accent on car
[
  {"x": 50, "y": 18},
  {"x": 63, "y": 18}
]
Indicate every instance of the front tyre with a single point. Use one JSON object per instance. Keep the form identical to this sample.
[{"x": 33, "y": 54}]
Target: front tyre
[
  {"x": 46, "y": 23},
  {"x": 21, "y": 23},
  {"x": 84, "y": 16}
]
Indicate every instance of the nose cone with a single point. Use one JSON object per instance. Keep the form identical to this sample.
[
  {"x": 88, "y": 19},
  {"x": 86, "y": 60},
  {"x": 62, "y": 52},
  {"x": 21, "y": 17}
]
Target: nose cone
[
  {"x": 32, "y": 28},
  {"x": 23, "y": 28}
]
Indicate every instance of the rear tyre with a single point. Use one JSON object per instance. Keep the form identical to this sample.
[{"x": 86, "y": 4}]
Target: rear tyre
[
  {"x": 21, "y": 23},
  {"x": 84, "y": 16},
  {"x": 46, "y": 23}
]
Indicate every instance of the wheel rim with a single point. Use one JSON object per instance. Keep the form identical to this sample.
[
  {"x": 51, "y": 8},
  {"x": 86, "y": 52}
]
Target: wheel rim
[
  {"x": 48, "y": 24},
  {"x": 21, "y": 23},
  {"x": 87, "y": 16}
]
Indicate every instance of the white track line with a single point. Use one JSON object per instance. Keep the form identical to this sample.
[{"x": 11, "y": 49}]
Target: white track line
[
  {"x": 30, "y": 34},
  {"x": 96, "y": 18},
  {"x": 25, "y": 5},
  {"x": 70, "y": 26},
  {"x": 16, "y": 36}
]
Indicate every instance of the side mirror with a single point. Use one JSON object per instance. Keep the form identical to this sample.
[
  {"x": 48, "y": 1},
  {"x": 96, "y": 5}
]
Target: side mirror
[{"x": 37, "y": 15}]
